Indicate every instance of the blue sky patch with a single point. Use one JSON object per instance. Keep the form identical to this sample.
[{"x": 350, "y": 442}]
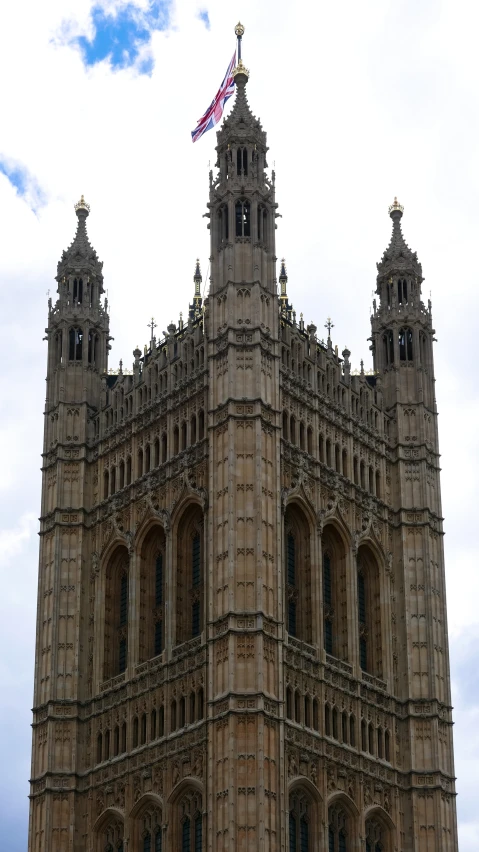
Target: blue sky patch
[
  {"x": 26, "y": 185},
  {"x": 203, "y": 16},
  {"x": 120, "y": 36}
]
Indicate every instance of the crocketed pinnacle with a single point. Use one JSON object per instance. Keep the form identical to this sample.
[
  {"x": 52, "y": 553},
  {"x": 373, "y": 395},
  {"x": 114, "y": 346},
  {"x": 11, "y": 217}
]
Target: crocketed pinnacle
[
  {"x": 241, "y": 119},
  {"x": 80, "y": 256},
  {"x": 398, "y": 257}
]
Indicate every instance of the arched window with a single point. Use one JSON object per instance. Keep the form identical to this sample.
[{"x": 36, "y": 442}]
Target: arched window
[
  {"x": 405, "y": 344},
  {"x": 321, "y": 448},
  {"x": 345, "y": 463},
  {"x": 106, "y": 484},
  {"x": 369, "y": 613},
  {"x": 123, "y": 738},
  {"x": 152, "y": 594},
  {"x": 223, "y": 224},
  {"x": 163, "y": 448},
  {"x": 243, "y": 218},
  {"x": 328, "y": 452},
  {"x": 289, "y": 703},
  {"x": 190, "y": 823},
  {"x": 121, "y": 474},
  {"x": 112, "y": 835},
  {"x": 300, "y": 822},
  {"x": 402, "y": 291},
  {"x": 92, "y": 348},
  {"x": 147, "y": 828},
  {"x": 339, "y": 835},
  {"x": 183, "y": 435},
  {"x": 376, "y": 836},
  {"x": 189, "y": 576},
  {"x": 116, "y": 614},
  {"x": 140, "y": 462},
  {"x": 298, "y": 574},
  {"x": 335, "y": 620},
  {"x": 388, "y": 346},
  {"x": 242, "y": 161},
  {"x": 75, "y": 344}
]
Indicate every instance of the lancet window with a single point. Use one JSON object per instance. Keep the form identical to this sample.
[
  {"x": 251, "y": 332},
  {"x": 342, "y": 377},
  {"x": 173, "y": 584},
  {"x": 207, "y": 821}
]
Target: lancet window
[
  {"x": 243, "y": 218},
  {"x": 242, "y": 161},
  {"x": 298, "y": 574},
  {"x": 116, "y": 614},
  {"x": 75, "y": 344},
  {"x": 190, "y": 823},
  {"x": 376, "y": 836},
  {"x": 300, "y": 822},
  {"x": 405, "y": 344},
  {"x": 402, "y": 291},
  {"x": 339, "y": 839},
  {"x": 189, "y": 575},
  {"x": 77, "y": 291},
  {"x": 335, "y": 621},
  {"x": 388, "y": 347},
  {"x": 112, "y": 837},
  {"x": 369, "y": 613},
  {"x": 93, "y": 348},
  {"x": 152, "y": 597},
  {"x": 148, "y": 829}
]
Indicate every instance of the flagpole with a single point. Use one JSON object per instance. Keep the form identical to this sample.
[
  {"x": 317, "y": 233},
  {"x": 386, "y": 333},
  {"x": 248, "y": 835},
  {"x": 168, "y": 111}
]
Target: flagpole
[{"x": 239, "y": 30}]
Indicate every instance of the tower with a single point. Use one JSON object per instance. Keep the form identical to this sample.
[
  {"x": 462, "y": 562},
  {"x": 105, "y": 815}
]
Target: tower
[{"x": 241, "y": 626}]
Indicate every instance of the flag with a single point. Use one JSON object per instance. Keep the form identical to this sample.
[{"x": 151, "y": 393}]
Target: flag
[{"x": 215, "y": 109}]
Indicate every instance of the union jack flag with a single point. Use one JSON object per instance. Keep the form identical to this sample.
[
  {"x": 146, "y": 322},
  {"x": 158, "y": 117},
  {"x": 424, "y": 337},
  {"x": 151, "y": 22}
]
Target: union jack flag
[{"x": 215, "y": 109}]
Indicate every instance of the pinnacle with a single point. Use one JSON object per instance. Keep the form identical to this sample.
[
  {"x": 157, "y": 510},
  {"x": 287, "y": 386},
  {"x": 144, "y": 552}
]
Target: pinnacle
[
  {"x": 398, "y": 255},
  {"x": 80, "y": 255}
]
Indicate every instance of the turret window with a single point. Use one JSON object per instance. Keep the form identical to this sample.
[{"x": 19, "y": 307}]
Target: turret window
[
  {"x": 262, "y": 223},
  {"x": 92, "y": 348},
  {"x": 242, "y": 161},
  {"x": 223, "y": 225},
  {"x": 405, "y": 344},
  {"x": 243, "y": 218},
  {"x": 75, "y": 344},
  {"x": 388, "y": 345},
  {"x": 402, "y": 291},
  {"x": 77, "y": 291}
]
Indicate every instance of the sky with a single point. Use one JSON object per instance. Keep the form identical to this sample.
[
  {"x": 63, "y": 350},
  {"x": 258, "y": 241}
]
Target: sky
[{"x": 361, "y": 102}]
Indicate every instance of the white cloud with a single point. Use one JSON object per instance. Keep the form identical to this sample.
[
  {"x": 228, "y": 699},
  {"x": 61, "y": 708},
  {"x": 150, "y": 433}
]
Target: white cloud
[{"x": 360, "y": 102}]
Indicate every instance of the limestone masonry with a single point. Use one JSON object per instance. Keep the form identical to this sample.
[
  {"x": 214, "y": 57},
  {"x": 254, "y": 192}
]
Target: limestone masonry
[{"x": 242, "y": 639}]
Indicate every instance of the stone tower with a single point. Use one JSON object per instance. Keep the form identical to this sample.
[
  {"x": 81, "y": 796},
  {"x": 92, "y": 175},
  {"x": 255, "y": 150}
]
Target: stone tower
[{"x": 242, "y": 638}]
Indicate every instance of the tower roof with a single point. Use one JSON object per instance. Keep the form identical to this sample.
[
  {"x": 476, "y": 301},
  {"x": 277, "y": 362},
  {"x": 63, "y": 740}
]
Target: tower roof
[
  {"x": 80, "y": 256},
  {"x": 398, "y": 257},
  {"x": 241, "y": 123}
]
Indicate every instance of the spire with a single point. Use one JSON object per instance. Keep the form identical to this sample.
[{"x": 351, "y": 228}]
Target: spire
[
  {"x": 240, "y": 118},
  {"x": 283, "y": 280},
  {"x": 398, "y": 257},
  {"x": 80, "y": 256},
  {"x": 195, "y": 307}
]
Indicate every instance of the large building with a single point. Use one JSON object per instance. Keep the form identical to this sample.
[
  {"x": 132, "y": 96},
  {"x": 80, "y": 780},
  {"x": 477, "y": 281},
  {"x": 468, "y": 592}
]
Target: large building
[{"x": 242, "y": 639}]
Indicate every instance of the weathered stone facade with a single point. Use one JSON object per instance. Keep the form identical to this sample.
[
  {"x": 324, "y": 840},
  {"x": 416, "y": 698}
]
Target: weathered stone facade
[{"x": 242, "y": 639}]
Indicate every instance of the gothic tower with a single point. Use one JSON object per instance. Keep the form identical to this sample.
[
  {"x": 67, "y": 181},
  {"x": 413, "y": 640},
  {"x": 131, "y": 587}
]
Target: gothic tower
[{"x": 242, "y": 637}]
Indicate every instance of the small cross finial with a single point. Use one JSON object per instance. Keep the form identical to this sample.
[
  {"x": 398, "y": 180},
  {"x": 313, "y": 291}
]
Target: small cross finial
[
  {"x": 329, "y": 325},
  {"x": 152, "y": 325}
]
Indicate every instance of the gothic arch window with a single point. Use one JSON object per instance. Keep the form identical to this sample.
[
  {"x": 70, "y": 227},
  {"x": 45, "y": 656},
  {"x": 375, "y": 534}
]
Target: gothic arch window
[
  {"x": 262, "y": 224},
  {"x": 110, "y": 836},
  {"x": 121, "y": 474},
  {"x": 321, "y": 448},
  {"x": 377, "y": 835},
  {"x": 164, "y": 446},
  {"x": 183, "y": 435},
  {"x": 292, "y": 430},
  {"x": 77, "y": 291},
  {"x": 152, "y": 594},
  {"x": 285, "y": 425},
  {"x": 339, "y": 829},
  {"x": 310, "y": 441},
  {"x": 156, "y": 452},
  {"x": 402, "y": 291},
  {"x": 328, "y": 452},
  {"x": 140, "y": 462},
  {"x": 369, "y": 613},
  {"x": 128, "y": 470},
  {"x": 300, "y": 821},
  {"x": 298, "y": 573},
  {"x": 242, "y": 161},
  {"x": 345, "y": 463},
  {"x": 335, "y": 620},
  {"x": 116, "y": 613},
  {"x": 193, "y": 428},
  {"x": 75, "y": 344},
  {"x": 190, "y": 575},
  {"x": 148, "y": 828},
  {"x": 388, "y": 347},
  {"x": 378, "y": 484},
  {"x": 92, "y": 348},
  {"x": 58, "y": 347},
  {"x": 337, "y": 457},
  {"x": 176, "y": 440},
  {"x": 106, "y": 484},
  {"x": 405, "y": 344},
  {"x": 243, "y": 218},
  {"x": 188, "y": 826},
  {"x": 201, "y": 425}
]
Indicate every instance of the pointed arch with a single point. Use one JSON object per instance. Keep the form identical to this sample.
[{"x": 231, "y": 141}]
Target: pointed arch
[
  {"x": 303, "y": 815},
  {"x": 379, "y": 830},
  {"x": 335, "y": 614},
  {"x": 189, "y": 580},
  {"x": 109, "y": 831},
  {"x": 116, "y": 612},
  {"x": 188, "y": 821},
  {"x": 152, "y": 592},
  {"x": 369, "y": 611},
  {"x": 147, "y": 824},
  {"x": 342, "y": 824},
  {"x": 297, "y": 571}
]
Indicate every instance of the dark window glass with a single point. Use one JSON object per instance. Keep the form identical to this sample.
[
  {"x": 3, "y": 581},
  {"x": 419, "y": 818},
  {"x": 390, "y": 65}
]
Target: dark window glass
[
  {"x": 158, "y": 842},
  {"x": 185, "y": 836},
  {"x": 304, "y": 836},
  {"x": 292, "y": 618},
  {"x": 122, "y": 656},
  {"x": 328, "y": 636},
  {"x": 159, "y": 579},
  {"x": 196, "y": 561},
  {"x": 147, "y": 843},
  {"x": 195, "y": 619},
  {"x": 198, "y": 834},
  {"x": 363, "y": 653},
  {"x": 342, "y": 842},
  {"x": 291, "y": 560},
  {"x": 330, "y": 840},
  {"x": 292, "y": 833}
]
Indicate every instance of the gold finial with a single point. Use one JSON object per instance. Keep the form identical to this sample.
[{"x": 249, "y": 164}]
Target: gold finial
[
  {"x": 239, "y": 29},
  {"x": 396, "y": 206},
  {"x": 240, "y": 69},
  {"x": 82, "y": 205}
]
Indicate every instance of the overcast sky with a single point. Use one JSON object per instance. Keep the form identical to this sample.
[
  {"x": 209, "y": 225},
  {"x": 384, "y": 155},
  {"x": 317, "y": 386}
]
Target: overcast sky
[{"x": 361, "y": 102}]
